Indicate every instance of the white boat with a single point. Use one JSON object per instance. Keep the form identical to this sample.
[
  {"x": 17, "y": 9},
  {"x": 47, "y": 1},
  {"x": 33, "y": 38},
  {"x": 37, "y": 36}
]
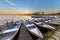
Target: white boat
[
  {"x": 10, "y": 32},
  {"x": 43, "y": 25},
  {"x": 33, "y": 29},
  {"x": 54, "y": 23}
]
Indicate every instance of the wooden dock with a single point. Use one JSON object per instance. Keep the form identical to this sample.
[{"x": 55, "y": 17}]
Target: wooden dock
[{"x": 24, "y": 34}]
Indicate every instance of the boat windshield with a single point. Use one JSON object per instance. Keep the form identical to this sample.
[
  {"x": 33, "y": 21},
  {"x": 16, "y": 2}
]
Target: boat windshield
[
  {"x": 31, "y": 27},
  {"x": 37, "y": 21},
  {"x": 28, "y": 22}
]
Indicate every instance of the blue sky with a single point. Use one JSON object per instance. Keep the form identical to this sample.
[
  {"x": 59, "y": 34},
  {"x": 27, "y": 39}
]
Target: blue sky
[{"x": 31, "y": 5}]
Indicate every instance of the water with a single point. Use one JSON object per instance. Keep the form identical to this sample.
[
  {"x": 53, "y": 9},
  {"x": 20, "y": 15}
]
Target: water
[{"x": 15, "y": 17}]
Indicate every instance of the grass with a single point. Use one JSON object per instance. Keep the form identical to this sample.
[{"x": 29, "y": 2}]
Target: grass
[
  {"x": 51, "y": 33},
  {"x": 58, "y": 28}
]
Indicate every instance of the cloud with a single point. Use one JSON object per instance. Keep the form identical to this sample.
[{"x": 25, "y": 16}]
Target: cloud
[
  {"x": 11, "y": 3},
  {"x": 7, "y": 6}
]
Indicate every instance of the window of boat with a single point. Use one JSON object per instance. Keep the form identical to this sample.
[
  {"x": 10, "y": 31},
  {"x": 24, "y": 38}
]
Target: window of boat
[
  {"x": 37, "y": 21},
  {"x": 45, "y": 19},
  {"x": 30, "y": 23},
  {"x": 31, "y": 27}
]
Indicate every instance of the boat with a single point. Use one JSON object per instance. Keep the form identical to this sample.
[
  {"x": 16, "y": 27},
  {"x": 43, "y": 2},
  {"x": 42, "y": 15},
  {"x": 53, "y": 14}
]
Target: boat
[
  {"x": 48, "y": 20},
  {"x": 33, "y": 29},
  {"x": 40, "y": 23},
  {"x": 56, "y": 23},
  {"x": 53, "y": 21},
  {"x": 10, "y": 32}
]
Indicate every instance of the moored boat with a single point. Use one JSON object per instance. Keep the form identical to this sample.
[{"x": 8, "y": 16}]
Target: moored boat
[
  {"x": 42, "y": 24},
  {"x": 10, "y": 32},
  {"x": 33, "y": 29}
]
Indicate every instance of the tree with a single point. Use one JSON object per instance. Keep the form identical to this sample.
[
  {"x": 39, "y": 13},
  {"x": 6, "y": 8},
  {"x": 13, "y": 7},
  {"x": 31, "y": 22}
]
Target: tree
[{"x": 37, "y": 13}]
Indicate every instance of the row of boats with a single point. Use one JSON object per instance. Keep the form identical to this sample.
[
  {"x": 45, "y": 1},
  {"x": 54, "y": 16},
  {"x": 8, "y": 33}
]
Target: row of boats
[
  {"x": 40, "y": 28},
  {"x": 37, "y": 27}
]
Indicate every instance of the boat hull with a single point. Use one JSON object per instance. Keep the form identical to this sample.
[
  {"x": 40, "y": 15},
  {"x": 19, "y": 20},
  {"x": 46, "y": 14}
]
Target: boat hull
[
  {"x": 9, "y": 34},
  {"x": 36, "y": 34}
]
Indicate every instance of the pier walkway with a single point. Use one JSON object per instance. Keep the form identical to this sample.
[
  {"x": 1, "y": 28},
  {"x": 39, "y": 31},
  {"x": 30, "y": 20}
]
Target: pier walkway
[{"x": 24, "y": 34}]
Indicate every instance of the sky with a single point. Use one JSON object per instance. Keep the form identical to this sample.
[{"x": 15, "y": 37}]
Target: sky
[{"x": 29, "y": 5}]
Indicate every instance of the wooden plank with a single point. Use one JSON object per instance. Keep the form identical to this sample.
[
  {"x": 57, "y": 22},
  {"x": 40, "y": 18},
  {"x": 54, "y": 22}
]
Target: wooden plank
[{"x": 24, "y": 34}]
